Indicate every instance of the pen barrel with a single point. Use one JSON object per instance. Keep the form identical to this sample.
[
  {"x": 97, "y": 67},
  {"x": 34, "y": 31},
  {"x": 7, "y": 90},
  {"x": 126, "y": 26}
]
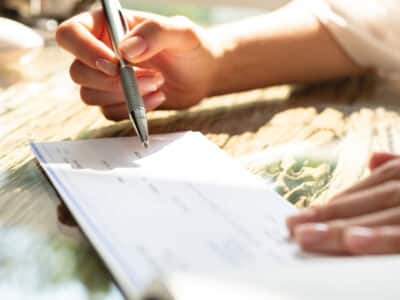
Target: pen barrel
[
  {"x": 134, "y": 102},
  {"x": 131, "y": 90}
]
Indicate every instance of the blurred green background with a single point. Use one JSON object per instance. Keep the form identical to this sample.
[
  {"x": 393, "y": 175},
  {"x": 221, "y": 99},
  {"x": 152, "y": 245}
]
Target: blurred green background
[{"x": 203, "y": 14}]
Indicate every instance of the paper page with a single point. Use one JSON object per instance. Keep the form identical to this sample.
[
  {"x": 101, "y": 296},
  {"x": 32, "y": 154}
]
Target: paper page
[
  {"x": 366, "y": 278},
  {"x": 180, "y": 206}
]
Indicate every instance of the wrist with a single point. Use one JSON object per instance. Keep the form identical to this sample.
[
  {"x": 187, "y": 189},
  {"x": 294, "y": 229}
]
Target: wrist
[
  {"x": 238, "y": 55},
  {"x": 218, "y": 82},
  {"x": 221, "y": 49},
  {"x": 213, "y": 68}
]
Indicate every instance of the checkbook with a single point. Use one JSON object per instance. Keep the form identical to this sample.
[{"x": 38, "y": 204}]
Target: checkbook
[{"x": 180, "y": 208}]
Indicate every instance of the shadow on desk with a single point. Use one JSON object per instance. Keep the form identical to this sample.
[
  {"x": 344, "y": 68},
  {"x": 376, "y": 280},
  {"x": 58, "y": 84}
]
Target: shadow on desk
[{"x": 258, "y": 115}]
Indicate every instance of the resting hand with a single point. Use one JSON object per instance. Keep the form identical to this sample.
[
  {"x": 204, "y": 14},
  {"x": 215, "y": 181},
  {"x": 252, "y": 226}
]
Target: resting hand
[
  {"x": 173, "y": 61},
  {"x": 365, "y": 219}
]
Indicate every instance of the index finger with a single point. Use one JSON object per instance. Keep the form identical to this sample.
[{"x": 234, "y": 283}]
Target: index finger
[
  {"x": 380, "y": 158},
  {"x": 84, "y": 37}
]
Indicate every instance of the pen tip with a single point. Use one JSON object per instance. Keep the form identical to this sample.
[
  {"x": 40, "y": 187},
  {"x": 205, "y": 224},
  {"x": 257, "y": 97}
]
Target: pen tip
[{"x": 146, "y": 144}]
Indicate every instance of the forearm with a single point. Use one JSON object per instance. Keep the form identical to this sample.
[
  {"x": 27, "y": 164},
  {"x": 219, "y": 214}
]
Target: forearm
[{"x": 287, "y": 46}]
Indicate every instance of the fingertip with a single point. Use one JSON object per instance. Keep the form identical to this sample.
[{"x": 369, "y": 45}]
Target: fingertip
[
  {"x": 290, "y": 224},
  {"x": 305, "y": 216},
  {"x": 115, "y": 112},
  {"x": 154, "y": 100},
  {"x": 149, "y": 85},
  {"x": 380, "y": 158}
]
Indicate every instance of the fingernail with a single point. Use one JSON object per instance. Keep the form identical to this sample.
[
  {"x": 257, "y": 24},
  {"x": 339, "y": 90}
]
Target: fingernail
[
  {"x": 107, "y": 67},
  {"x": 150, "y": 84},
  {"x": 311, "y": 234},
  {"x": 133, "y": 47},
  {"x": 359, "y": 238},
  {"x": 159, "y": 97},
  {"x": 154, "y": 101}
]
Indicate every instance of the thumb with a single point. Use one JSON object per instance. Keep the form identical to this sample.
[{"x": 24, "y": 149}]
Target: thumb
[
  {"x": 153, "y": 36},
  {"x": 380, "y": 158}
]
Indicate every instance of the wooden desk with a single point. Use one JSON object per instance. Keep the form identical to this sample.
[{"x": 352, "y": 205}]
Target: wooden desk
[{"x": 42, "y": 104}]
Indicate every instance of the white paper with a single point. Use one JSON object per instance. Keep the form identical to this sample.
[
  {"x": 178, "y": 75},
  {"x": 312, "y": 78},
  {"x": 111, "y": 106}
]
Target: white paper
[
  {"x": 366, "y": 278},
  {"x": 180, "y": 206}
]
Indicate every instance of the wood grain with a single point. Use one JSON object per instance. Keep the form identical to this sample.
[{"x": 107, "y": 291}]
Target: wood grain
[{"x": 343, "y": 120}]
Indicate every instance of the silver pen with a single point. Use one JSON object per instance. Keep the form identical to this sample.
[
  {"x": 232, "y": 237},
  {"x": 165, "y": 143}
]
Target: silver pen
[{"x": 117, "y": 28}]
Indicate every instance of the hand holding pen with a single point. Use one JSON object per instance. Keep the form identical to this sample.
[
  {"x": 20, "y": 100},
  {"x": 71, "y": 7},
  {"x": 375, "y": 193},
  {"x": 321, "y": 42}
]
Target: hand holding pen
[{"x": 173, "y": 64}]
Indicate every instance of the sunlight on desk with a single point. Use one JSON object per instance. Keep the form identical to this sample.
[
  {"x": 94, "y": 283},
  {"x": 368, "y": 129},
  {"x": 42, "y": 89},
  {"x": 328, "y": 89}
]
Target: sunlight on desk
[{"x": 45, "y": 106}]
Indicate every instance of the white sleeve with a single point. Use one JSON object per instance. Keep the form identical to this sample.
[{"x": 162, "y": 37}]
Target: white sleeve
[{"x": 368, "y": 30}]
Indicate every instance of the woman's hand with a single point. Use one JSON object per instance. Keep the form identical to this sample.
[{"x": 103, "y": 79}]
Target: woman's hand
[
  {"x": 174, "y": 63},
  {"x": 365, "y": 219}
]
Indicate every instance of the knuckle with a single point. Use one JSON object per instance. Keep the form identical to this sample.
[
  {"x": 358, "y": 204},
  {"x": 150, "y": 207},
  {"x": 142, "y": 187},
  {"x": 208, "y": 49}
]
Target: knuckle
[
  {"x": 190, "y": 33},
  {"x": 67, "y": 29},
  {"x": 182, "y": 20},
  {"x": 63, "y": 32},
  {"x": 152, "y": 27},
  {"x": 184, "y": 25}
]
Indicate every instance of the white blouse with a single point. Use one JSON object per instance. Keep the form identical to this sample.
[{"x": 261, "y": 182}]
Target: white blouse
[{"x": 368, "y": 30}]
